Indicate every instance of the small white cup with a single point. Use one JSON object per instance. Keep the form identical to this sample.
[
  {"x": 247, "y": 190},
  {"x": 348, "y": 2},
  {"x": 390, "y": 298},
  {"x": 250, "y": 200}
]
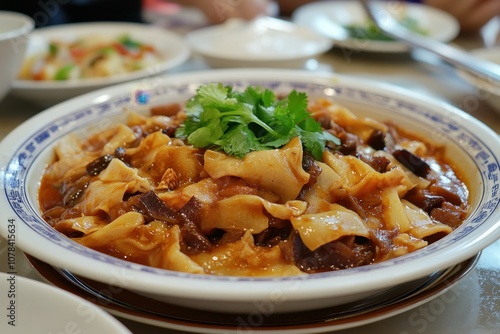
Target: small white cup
[{"x": 14, "y": 32}]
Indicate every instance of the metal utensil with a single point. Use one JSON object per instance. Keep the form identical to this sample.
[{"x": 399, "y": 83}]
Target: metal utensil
[{"x": 389, "y": 25}]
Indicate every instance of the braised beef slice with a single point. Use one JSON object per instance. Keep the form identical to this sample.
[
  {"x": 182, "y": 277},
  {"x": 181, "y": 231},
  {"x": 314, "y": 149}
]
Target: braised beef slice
[
  {"x": 293, "y": 249},
  {"x": 434, "y": 237},
  {"x": 99, "y": 164},
  {"x": 414, "y": 163},
  {"x": 353, "y": 203},
  {"x": 72, "y": 191},
  {"x": 311, "y": 167},
  {"x": 153, "y": 208},
  {"x": 325, "y": 121},
  {"x": 193, "y": 239},
  {"x": 383, "y": 239},
  {"x": 378, "y": 163},
  {"x": 377, "y": 140},
  {"x": 347, "y": 252},
  {"x": 450, "y": 192},
  {"x": 170, "y": 131},
  {"x": 391, "y": 137},
  {"x": 215, "y": 235},
  {"x": 120, "y": 153},
  {"x": 221, "y": 237},
  {"x": 424, "y": 199},
  {"x": 277, "y": 231},
  {"x": 448, "y": 214},
  {"x": 349, "y": 143}
]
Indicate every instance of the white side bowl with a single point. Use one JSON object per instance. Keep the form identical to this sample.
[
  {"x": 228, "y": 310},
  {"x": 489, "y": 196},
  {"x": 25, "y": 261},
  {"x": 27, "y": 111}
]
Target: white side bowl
[
  {"x": 14, "y": 31},
  {"x": 262, "y": 42},
  {"x": 172, "y": 48},
  {"x": 31, "y": 306},
  {"x": 470, "y": 145}
]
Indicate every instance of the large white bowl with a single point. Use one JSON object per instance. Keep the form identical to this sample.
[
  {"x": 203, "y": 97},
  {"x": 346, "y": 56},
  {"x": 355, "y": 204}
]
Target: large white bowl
[
  {"x": 172, "y": 48},
  {"x": 472, "y": 146},
  {"x": 14, "y": 31}
]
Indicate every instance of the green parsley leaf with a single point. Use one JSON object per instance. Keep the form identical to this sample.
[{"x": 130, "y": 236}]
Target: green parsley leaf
[
  {"x": 239, "y": 141},
  {"x": 241, "y": 122}
]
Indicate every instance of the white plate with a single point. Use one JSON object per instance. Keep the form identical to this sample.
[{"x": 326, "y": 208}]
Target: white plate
[
  {"x": 262, "y": 42},
  {"x": 330, "y": 17},
  {"x": 30, "y": 306},
  {"x": 469, "y": 144},
  {"x": 172, "y": 48}
]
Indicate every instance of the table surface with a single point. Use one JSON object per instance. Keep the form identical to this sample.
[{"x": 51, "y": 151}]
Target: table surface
[{"x": 472, "y": 305}]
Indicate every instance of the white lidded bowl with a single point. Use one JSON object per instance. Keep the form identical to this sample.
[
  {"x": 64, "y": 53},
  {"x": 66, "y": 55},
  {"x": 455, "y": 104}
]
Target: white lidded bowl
[
  {"x": 172, "y": 49},
  {"x": 470, "y": 145},
  {"x": 15, "y": 29}
]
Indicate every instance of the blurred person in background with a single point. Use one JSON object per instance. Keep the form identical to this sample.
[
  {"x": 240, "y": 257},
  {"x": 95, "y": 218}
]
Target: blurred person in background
[
  {"x": 51, "y": 12},
  {"x": 471, "y": 14},
  {"x": 218, "y": 11}
]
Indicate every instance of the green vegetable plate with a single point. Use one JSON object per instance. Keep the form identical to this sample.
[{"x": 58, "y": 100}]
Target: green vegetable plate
[{"x": 346, "y": 23}]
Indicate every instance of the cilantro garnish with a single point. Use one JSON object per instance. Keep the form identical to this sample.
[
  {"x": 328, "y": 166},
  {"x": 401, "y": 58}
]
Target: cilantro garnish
[
  {"x": 369, "y": 31},
  {"x": 241, "y": 122}
]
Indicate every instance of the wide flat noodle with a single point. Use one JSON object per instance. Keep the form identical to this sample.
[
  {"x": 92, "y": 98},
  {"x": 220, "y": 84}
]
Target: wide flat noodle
[
  {"x": 421, "y": 224},
  {"x": 393, "y": 211},
  {"x": 323, "y": 191},
  {"x": 361, "y": 126},
  {"x": 109, "y": 187},
  {"x": 359, "y": 179},
  {"x": 120, "y": 228},
  {"x": 320, "y": 228},
  {"x": 71, "y": 159},
  {"x": 279, "y": 171},
  {"x": 84, "y": 224},
  {"x": 156, "y": 154},
  {"x": 252, "y": 214},
  {"x": 123, "y": 134},
  {"x": 170, "y": 256}
]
